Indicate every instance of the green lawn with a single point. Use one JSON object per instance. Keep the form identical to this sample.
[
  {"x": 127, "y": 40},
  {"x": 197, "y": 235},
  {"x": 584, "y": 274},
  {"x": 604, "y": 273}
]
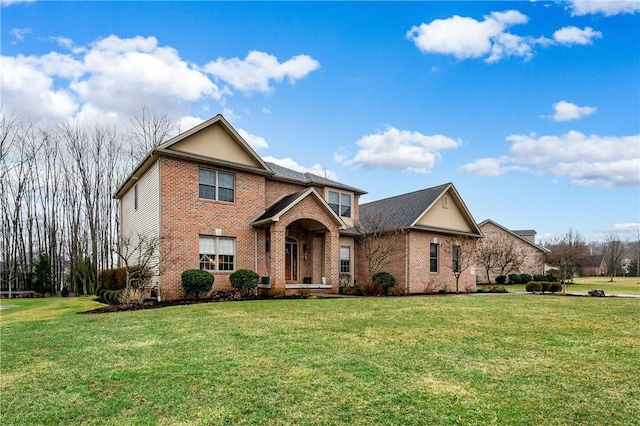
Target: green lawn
[
  {"x": 469, "y": 360},
  {"x": 620, "y": 285}
]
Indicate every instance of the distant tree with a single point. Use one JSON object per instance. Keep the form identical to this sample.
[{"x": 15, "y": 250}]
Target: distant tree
[
  {"x": 463, "y": 256},
  {"x": 42, "y": 275},
  {"x": 614, "y": 252},
  {"x": 148, "y": 128},
  {"x": 509, "y": 257},
  {"x": 486, "y": 256},
  {"x": 567, "y": 254}
]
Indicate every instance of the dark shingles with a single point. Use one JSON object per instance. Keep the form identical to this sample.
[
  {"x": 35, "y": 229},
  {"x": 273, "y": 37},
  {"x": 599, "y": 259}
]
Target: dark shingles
[
  {"x": 279, "y": 205},
  {"x": 309, "y": 178}
]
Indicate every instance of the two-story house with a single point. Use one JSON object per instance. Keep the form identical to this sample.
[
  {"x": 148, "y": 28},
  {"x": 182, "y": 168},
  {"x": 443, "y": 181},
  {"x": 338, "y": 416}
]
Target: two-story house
[{"x": 213, "y": 203}]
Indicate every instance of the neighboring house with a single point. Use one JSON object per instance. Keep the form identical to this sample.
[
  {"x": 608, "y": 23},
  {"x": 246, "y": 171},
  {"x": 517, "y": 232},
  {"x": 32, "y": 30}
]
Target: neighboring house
[
  {"x": 522, "y": 240},
  {"x": 424, "y": 227},
  {"x": 214, "y": 204},
  {"x": 593, "y": 266}
]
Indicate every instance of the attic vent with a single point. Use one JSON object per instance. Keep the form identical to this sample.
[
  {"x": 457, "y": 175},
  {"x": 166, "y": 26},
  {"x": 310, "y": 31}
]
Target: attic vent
[{"x": 445, "y": 202}]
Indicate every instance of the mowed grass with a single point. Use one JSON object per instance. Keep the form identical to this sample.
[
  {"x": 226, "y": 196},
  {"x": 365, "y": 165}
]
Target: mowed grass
[
  {"x": 620, "y": 285},
  {"x": 469, "y": 360}
]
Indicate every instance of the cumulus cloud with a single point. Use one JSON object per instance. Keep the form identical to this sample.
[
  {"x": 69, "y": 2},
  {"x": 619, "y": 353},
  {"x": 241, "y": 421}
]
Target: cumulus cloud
[
  {"x": 254, "y": 73},
  {"x": 623, "y": 227},
  {"x": 399, "y": 149},
  {"x": 111, "y": 77},
  {"x": 10, "y": 2},
  {"x": 565, "y": 111},
  {"x": 603, "y": 161},
  {"x": 19, "y": 33},
  {"x": 316, "y": 169},
  {"x": 574, "y": 35},
  {"x": 468, "y": 38},
  {"x": 256, "y": 142},
  {"x": 603, "y": 7}
]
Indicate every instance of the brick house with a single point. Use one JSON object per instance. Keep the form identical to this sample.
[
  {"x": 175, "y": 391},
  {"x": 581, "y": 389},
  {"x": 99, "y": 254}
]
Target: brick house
[
  {"x": 594, "y": 266},
  {"x": 214, "y": 204},
  {"x": 521, "y": 240},
  {"x": 426, "y": 230}
]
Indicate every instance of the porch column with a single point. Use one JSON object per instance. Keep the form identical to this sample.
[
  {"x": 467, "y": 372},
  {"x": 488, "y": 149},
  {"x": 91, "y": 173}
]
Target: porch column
[
  {"x": 331, "y": 260},
  {"x": 275, "y": 257}
]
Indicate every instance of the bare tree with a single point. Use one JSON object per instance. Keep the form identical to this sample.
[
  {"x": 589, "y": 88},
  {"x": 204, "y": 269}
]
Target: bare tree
[
  {"x": 614, "y": 252},
  {"x": 568, "y": 253},
  {"x": 148, "y": 129},
  {"x": 509, "y": 256},
  {"x": 487, "y": 255},
  {"x": 463, "y": 256},
  {"x": 376, "y": 242}
]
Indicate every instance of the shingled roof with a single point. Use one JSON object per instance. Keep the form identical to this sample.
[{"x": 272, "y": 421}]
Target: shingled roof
[
  {"x": 284, "y": 173},
  {"x": 404, "y": 211}
]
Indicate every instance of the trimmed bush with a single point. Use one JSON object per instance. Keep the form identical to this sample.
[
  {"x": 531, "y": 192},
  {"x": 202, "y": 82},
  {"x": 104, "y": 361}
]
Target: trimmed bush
[
  {"x": 555, "y": 287},
  {"x": 525, "y": 278},
  {"x": 533, "y": 287},
  {"x": 501, "y": 279},
  {"x": 196, "y": 282},
  {"x": 244, "y": 280},
  {"x": 514, "y": 279},
  {"x": 385, "y": 279},
  {"x": 545, "y": 286},
  {"x": 396, "y": 291}
]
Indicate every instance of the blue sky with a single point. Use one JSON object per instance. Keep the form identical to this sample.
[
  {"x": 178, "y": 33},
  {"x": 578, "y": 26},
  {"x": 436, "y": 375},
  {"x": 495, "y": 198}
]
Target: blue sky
[{"x": 532, "y": 109}]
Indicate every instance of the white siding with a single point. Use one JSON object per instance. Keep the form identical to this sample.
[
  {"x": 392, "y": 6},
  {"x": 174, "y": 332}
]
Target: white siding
[{"x": 145, "y": 220}]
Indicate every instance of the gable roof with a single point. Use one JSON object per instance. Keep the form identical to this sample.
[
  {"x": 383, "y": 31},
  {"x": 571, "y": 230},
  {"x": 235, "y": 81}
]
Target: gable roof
[
  {"x": 594, "y": 261},
  {"x": 287, "y": 202},
  {"x": 405, "y": 211},
  {"x": 515, "y": 234}
]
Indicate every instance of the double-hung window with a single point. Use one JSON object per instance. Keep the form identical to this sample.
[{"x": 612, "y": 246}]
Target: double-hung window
[
  {"x": 217, "y": 253},
  {"x": 433, "y": 257},
  {"x": 215, "y": 185},
  {"x": 340, "y": 203},
  {"x": 345, "y": 259}
]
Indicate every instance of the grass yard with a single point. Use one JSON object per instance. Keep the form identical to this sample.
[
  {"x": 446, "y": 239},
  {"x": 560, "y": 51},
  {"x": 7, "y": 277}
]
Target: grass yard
[
  {"x": 620, "y": 285},
  {"x": 469, "y": 360}
]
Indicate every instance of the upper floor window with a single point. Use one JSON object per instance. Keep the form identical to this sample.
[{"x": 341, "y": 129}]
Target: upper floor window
[
  {"x": 340, "y": 203},
  {"x": 217, "y": 253},
  {"x": 214, "y": 185},
  {"x": 455, "y": 258},
  {"x": 433, "y": 257}
]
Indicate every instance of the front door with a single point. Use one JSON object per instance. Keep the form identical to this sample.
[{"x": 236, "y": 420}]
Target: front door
[{"x": 291, "y": 259}]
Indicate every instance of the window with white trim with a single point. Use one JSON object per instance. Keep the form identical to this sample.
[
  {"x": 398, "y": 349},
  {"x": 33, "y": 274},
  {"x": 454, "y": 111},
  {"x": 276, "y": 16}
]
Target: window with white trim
[
  {"x": 217, "y": 253},
  {"x": 433, "y": 257},
  {"x": 215, "y": 185},
  {"x": 345, "y": 259},
  {"x": 340, "y": 203}
]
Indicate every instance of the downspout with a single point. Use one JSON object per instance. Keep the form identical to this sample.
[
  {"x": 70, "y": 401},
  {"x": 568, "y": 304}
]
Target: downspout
[
  {"x": 255, "y": 249},
  {"x": 406, "y": 263}
]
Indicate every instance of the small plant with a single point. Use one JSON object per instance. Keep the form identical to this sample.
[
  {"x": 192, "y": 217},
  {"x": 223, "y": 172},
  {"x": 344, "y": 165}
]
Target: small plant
[
  {"x": 196, "y": 282},
  {"x": 491, "y": 288},
  {"x": 555, "y": 287},
  {"x": 131, "y": 296},
  {"x": 501, "y": 279},
  {"x": 373, "y": 288},
  {"x": 344, "y": 280},
  {"x": 244, "y": 280},
  {"x": 65, "y": 291},
  {"x": 385, "y": 279},
  {"x": 303, "y": 292},
  {"x": 396, "y": 291},
  {"x": 533, "y": 287},
  {"x": 545, "y": 286}
]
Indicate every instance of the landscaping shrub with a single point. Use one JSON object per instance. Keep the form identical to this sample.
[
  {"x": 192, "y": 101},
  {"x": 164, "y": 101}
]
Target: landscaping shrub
[
  {"x": 525, "y": 278},
  {"x": 131, "y": 296},
  {"x": 42, "y": 278},
  {"x": 501, "y": 279},
  {"x": 65, "y": 291},
  {"x": 396, "y": 291},
  {"x": 533, "y": 286},
  {"x": 545, "y": 285},
  {"x": 548, "y": 278},
  {"x": 196, "y": 282},
  {"x": 385, "y": 279},
  {"x": 514, "y": 279},
  {"x": 244, "y": 280},
  {"x": 492, "y": 289},
  {"x": 373, "y": 288},
  {"x": 101, "y": 292},
  {"x": 555, "y": 287}
]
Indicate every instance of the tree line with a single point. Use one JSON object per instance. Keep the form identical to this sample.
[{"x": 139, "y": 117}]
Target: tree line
[{"x": 56, "y": 195}]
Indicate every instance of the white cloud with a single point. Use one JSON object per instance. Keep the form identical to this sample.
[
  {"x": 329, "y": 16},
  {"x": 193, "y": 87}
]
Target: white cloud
[
  {"x": 624, "y": 227},
  {"x": 19, "y": 33},
  {"x": 604, "y": 7},
  {"x": 399, "y": 149},
  {"x": 574, "y": 35},
  {"x": 316, "y": 169},
  {"x": 565, "y": 111},
  {"x": 256, "y": 142},
  {"x": 466, "y": 37},
  {"x": 604, "y": 161},
  {"x": 10, "y": 2},
  {"x": 254, "y": 73}
]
